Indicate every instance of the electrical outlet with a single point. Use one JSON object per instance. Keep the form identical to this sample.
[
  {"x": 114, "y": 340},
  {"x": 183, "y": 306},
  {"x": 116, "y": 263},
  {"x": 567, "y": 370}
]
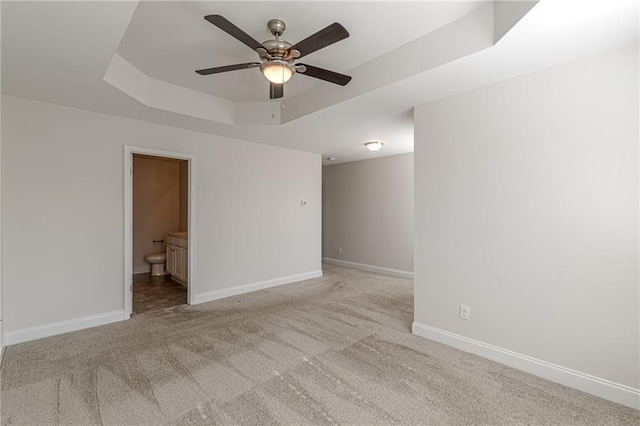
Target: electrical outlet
[
  {"x": 280, "y": 264},
  {"x": 465, "y": 312},
  {"x": 339, "y": 250}
]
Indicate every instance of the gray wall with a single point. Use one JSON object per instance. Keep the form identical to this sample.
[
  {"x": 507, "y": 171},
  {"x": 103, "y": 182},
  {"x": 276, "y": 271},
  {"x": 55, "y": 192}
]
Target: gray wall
[
  {"x": 63, "y": 210},
  {"x": 368, "y": 212},
  {"x": 1, "y": 323},
  {"x": 527, "y": 211}
]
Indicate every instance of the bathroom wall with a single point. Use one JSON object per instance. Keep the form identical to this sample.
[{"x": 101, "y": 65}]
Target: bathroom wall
[
  {"x": 184, "y": 196},
  {"x": 156, "y": 206},
  {"x": 63, "y": 193},
  {"x": 367, "y": 212}
]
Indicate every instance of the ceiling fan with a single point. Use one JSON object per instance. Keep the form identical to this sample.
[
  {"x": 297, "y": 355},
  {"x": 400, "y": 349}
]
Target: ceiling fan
[{"x": 279, "y": 56}]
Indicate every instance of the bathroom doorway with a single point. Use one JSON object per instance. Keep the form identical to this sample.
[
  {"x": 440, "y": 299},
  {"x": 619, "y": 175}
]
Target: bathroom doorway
[{"x": 159, "y": 236}]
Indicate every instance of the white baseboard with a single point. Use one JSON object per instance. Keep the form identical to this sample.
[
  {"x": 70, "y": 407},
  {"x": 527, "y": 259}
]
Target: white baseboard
[
  {"x": 142, "y": 269},
  {"x": 370, "y": 268},
  {"x": 603, "y": 388},
  {"x": 248, "y": 288},
  {"x": 52, "y": 329}
]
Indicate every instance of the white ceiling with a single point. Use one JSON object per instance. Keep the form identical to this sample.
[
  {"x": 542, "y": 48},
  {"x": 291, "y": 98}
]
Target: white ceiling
[{"x": 59, "y": 51}]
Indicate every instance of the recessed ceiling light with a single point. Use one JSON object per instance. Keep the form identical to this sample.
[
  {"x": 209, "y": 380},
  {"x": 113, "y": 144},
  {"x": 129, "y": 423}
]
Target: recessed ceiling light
[
  {"x": 330, "y": 158},
  {"x": 373, "y": 146}
]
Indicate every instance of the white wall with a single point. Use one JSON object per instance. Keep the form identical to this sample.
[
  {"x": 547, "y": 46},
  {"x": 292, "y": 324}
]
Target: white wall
[
  {"x": 156, "y": 206},
  {"x": 527, "y": 211},
  {"x": 1, "y": 323},
  {"x": 368, "y": 212},
  {"x": 63, "y": 208}
]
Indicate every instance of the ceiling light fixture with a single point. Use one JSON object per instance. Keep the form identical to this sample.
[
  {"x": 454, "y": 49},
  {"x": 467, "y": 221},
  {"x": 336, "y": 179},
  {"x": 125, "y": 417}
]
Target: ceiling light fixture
[
  {"x": 373, "y": 146},
  {"x": 277, "y": 71}
]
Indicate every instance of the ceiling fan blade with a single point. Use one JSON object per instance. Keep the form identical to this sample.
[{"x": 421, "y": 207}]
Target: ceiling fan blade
[
  {"x": 323, "y": 38},
  {"x": 326, "y": 75},
  {"x": 276, "y": 90},
  {"x": 216, "y": 70},
  {"x": 225, "y": 25}
]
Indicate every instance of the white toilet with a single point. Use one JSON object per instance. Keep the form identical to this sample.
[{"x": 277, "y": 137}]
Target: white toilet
[{"x": 157, "y": 262}]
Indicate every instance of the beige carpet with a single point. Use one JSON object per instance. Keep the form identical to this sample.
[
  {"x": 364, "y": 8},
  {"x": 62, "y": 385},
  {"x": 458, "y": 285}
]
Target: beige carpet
[{"x": 334, "y": 350}]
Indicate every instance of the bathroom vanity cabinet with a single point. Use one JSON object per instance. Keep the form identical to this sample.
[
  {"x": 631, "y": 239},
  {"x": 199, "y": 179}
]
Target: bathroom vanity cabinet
[{"x": 178, "y": 257}]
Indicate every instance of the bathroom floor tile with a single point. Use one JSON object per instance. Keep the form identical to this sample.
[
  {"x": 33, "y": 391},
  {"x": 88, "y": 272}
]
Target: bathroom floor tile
[{"x": 151, "y": 293}]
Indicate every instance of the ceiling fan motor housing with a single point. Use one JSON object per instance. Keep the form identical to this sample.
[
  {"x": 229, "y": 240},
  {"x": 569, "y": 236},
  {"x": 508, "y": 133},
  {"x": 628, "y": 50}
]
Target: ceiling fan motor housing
[{"x": 277, "y": 48}]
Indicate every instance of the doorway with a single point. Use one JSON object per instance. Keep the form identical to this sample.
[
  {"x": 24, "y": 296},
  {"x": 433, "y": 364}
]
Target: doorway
[{"x": 159, "y": 229}]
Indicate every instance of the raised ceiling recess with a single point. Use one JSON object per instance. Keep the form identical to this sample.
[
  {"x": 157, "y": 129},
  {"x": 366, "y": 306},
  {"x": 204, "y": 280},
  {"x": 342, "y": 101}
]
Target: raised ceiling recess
[{"x": 167, "y": 41}]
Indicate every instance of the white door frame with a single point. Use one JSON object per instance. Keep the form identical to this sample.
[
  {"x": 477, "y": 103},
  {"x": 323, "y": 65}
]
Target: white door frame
[{"x": 128, "y": 220}]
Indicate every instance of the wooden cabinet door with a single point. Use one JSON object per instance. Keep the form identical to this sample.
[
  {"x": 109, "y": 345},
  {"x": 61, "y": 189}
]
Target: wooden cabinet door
[
  {"x": 179, "y": 268},
  {"x": 171, "y": 259},
  {"x": 185, "y": 265}
]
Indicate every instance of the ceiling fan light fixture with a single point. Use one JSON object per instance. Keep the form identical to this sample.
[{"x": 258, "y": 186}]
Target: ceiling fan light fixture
[
  {"x": 373, "y": 146},
  {"x": 277, "y": 71}
]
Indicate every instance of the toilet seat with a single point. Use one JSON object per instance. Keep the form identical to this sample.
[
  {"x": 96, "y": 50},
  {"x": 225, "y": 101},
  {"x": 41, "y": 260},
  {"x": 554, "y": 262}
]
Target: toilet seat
[
  {"x": 156, "y": 258},
  {"x": 157, "y": 261}
]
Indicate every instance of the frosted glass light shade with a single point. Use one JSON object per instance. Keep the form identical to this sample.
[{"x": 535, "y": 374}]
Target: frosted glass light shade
[{"x": 276, "y": 71}]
